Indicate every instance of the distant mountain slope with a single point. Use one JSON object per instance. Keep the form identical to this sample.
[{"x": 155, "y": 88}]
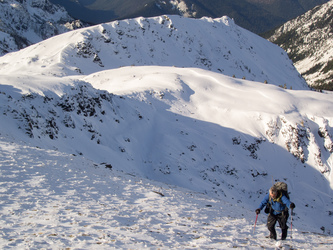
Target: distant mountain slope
[
  {"x": 286, "y": 9},
  {"x": 218, "y": 45},
  {"x": 254, "y": 15},
  {"x": 26, "y": 22},
  {"x": 308, "y": 39}
]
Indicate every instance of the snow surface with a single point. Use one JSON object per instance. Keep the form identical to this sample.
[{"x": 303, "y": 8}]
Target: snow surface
[
  {"x": 53, "y": 200},
  {"x": 155, "y": 156}
]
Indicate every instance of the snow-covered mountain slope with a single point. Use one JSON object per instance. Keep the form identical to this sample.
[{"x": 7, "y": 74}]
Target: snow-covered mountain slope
[
  {"x": 54, "y": 200},
  {"x": 224, "y": 137},
  {"x": 309, "y": 43},
  {"x": 26, "y": 22},
  {"x": 214, "y": 44},
  {"x": 187, "y": 127}
]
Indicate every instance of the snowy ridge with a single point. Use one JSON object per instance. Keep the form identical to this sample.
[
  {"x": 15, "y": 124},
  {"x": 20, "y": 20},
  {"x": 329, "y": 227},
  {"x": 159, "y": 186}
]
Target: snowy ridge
[
  {"x": 198, "y": 135},
  {"x": 214, "y": 44}
]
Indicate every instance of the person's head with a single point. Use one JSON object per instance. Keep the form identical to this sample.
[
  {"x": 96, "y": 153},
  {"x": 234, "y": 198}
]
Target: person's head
[{"x": 273, "y": 192}]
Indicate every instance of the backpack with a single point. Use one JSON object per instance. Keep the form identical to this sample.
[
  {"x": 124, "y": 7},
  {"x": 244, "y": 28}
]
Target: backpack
[{"x": 283, "y": 188}]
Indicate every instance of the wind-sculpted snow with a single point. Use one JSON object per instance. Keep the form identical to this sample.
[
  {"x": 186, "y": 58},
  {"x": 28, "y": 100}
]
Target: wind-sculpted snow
[{"x": 214, "y": 44}]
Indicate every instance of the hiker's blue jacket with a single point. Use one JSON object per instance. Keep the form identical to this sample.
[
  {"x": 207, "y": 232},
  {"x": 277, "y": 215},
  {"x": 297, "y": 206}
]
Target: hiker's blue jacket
[{"x": 278, "y": 205}]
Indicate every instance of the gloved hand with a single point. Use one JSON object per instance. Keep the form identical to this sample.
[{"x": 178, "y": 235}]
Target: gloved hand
[
  {"x": 258, "y": 211},
  {"x": 292, "y": 206}
]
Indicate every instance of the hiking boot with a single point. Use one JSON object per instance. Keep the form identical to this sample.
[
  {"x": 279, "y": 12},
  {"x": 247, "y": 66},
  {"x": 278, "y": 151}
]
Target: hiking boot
[{"x": 273, "y": 237}]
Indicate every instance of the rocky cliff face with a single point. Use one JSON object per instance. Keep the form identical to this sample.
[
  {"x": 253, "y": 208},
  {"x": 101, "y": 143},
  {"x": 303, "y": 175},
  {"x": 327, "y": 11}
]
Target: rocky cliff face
[
  {"x": 25, "y": 22},
  {"x": 309, "y": 43}
]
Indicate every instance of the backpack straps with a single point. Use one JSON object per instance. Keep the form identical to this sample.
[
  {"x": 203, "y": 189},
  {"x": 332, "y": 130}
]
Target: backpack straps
[{"x": 279, "y": 200}]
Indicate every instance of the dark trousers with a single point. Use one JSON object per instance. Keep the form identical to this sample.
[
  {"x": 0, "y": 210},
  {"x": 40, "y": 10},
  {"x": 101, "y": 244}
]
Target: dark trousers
[{"x": 282, "y": 219}]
